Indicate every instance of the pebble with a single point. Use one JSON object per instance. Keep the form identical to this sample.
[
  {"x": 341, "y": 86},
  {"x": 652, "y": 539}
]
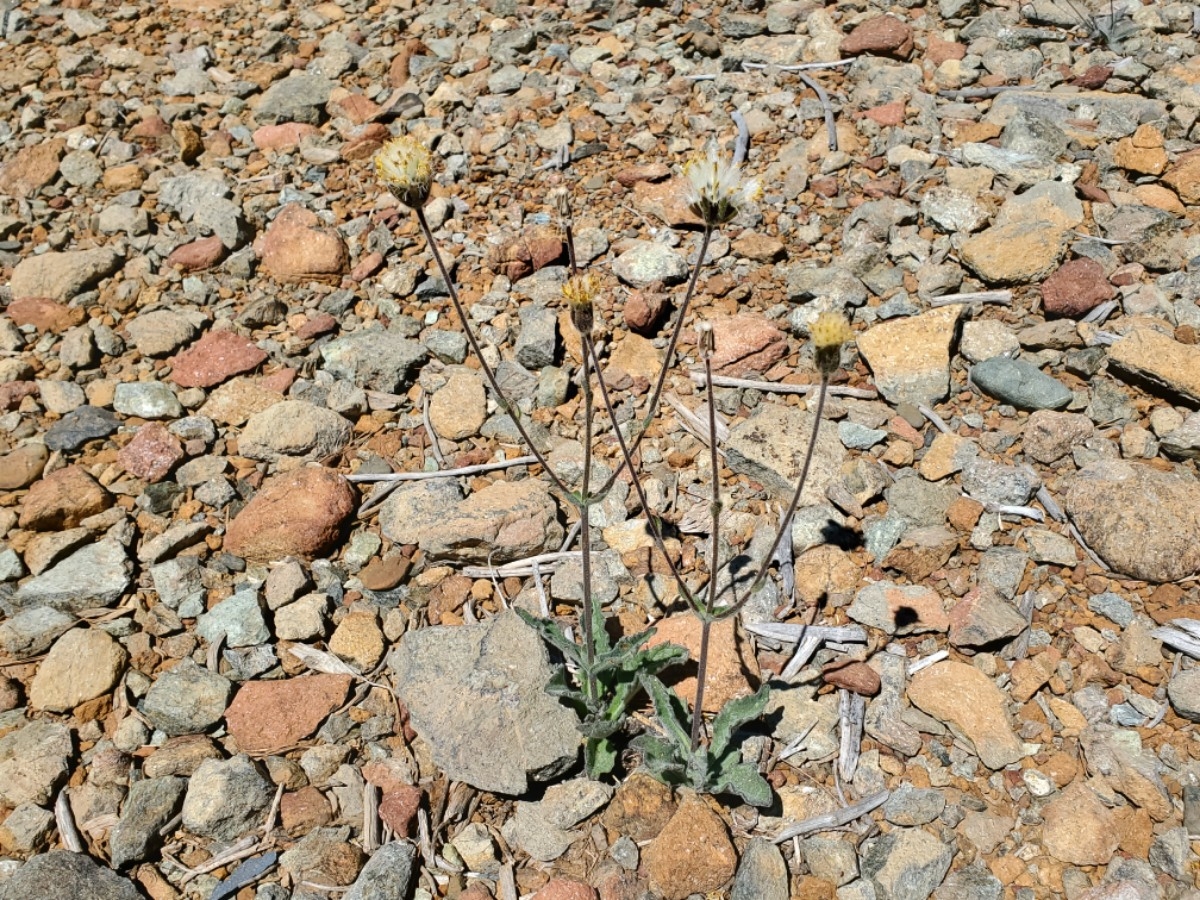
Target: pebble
[
  {"x": 295, "y": 249},
  {"x": 1019, "y": 383},
  {"x": 33, "y": 762},
  {"x": 186, "y": 699},
  {"x": 226, "y": 798},
  {"x": 692, "y": 854},
  {"x": 63, "y": 499},
  {"x": 1078, "y": 828},
  {"x": 647, "y": 262},
  {"x": 389, "y": 873},
  {"x": 910, "y": 357},
  {"x": 147, "y": 400},
  {"x": 1076, "y": 288},
  {"x": 270, "y": 716},
  {"x": 238, "y": 620},
  {"x": 962, "y": 696},
  {"x": 906, "y": 862},
  {"x": 746, "y": 345},
  {"x": 458, "y": 409},
  {"x": 95, "y": 576},
  {"x": 294, "y": 428},
  {"x": 216, "y": 357},
  {"x": 1164, "y": 362},
  {"x": 61, "y": 873},
  {"x": 776, "y": 462},
  {"x": 899, "y": 609},
  {"x": 299, "y": 513},
  {"x": 82, "y": 665},
  {"x": 151, "y": 804},
  {"x": 761, "y": 875},
  {"x": 60, "y": 276}
]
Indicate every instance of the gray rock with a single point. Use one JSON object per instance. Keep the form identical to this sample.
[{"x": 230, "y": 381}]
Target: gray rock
[
  {"x": 972, "y": 882},
  {"x": 801, "y": 711},
  {"x": 448, "y": 346},
  {"x": 98, "y": 575},
  {"x": 1002, "y": 568},
  {"x": 119, "y": 219},
  {"x": 1184, "y": 441},
  {"x": 762, "y": 874},
  {"x": 885, "y": 712},
  {"x": 388, "y": 874},
  {"x": 151, "y": 803},
  {"x": 836, "y": 286},
  {"x": 858, "y": 437},
  {"x": 33, "y": 630},
  {"x": 830, "y": 859},
  {"x": 203, "y": 199},
  {"x": 1112, "y": 606},
  {"x": 238, "y": 618},
  {"x": 541, "y": 829},
  {"x": 1049, "y": 436},
  {"x": 79, "y": 426},
  {"x": 1169, "y": 854},
  {"x": 60, "y": 276},
  {"x": 147, "y": 400},
  {"x": 294, "y": 428},
  {"x": 33, "y": 761},
  {"x": 1019, "y": 383},
  {"x": 27, "y": 829},
  {"x": 813, "y": 526},
  {"x": 647, "y": 262},
  {"x": 303, "y": 620},
  {"x": 186, "y": 699},
  {"x": 162, "y": 331},
  {"x": 298, "y": 98},
  {"x": 984, "y": 338},
  {"x": 476, "y": 694},
  {"x": 769, "y": 447},
  {"x": 226, "y": 798},
  {"x": 906, "y": 864},
  {"x": 885, "y": 606},
  {"x": 63, "y": 875},
  {"x": 992, "y": 482},
  {"x": 1184, "y": 693},
  {"x": 953, "y": 210},
  {"x": 919, "y": 501},
  {"x": 316, "y": 855},
  {"x": 186, "y": 82},
  {"x": 377, "y": 360},
  {"x": 908, "y": 805},
  {"x": 538, "y": 338}
]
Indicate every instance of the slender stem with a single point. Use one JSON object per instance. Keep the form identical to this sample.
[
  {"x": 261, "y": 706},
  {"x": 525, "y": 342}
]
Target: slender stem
[
  {"x": 569, "y": 230},
  {"x": 672, "y": 345},
  {"x": 585, "y": 529},
  {"x": 714, "y": 557},
  {"x": 701, "y": 677},
  {"x": 508, "y": 407}
]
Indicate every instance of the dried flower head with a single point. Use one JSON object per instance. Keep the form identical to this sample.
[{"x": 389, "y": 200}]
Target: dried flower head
[
  {"x": 560, "y": 197},
  {"x": 405, "y": 166},
  {"x": 580, "y": 293},
  {"x": 716, "y": 191},
  {"x": 829, "y": 332},
  {"x": 706, "y": 340}
]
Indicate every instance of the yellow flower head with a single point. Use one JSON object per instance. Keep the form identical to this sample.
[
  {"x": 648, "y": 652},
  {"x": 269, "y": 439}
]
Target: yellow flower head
[
  {"x": 716, "y": 191},
  {"x": 580, "y": 293},
  {"x": 405, "y": 167},
  {"x": 829, "y": 332}
]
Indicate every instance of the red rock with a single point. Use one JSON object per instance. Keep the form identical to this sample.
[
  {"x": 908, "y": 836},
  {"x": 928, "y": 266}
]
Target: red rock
[
  {"x": 937, "y": 51},
  {"x": 363, "y": 141},
  {"x": 888, "y": 114},
  {"x": 13, "y": 392},
  {"x": 731, "y": 668},
  {"x": 631, "y": 175},
  {"x": 216, "y": 357},
  {"x": 692, "y": 855},
  {"x": 32, "y": 168},
  {"x": 398, "y": 809},
  {"x": 284, "y": 136},
  {"x": 746, "y": 344},
  {"x": 302, "y": 811},
  {"x": 152, "y": 453},
  {"x": 269, "y": 716},
  {"x": 321, "y": 323},
  {"x": 299, "y": 513},
  {"x": 1094, "y": 78},
  {"x": 881, "y": 36},
  {"x": 853, "y": 676},
  {"x": 367, "y": 266},
  {"x": 355, "y": 107},
  {"x": 642, "y": 311},
  {"x": 197, "y": 255},
  {"x": 1077, "y": 287},
  {"x": 63, "y": 499},
  {"x": 295, "y": 248},
  {"x": 153, "y": 126},
  {"x": 280, "y": 381},
  {"x": 44, "y": 314},
  {"x": 565, "y": 889},
  {"x": 533, "y": 249},
  {"x": 384, "y": 574}
]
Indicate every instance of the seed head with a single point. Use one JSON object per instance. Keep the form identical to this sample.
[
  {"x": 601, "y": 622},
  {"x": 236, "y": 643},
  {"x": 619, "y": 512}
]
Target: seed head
[
  {"x": 829, "y": 332},
  {"x": 580, "y": 293},
  {"x": 405, "y": 167},
  {"x": 716, "y": 191}
]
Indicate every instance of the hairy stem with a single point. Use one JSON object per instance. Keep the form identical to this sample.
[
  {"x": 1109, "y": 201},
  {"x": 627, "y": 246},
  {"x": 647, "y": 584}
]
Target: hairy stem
[
  {"x": 585, "y": 532},
  {"x": 503, "y": 400},
  {"x": 714, "y": 558}
]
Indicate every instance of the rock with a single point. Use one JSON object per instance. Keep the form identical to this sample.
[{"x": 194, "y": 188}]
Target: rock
[
  {"x": 186, "y": 699},
  {"x": 953, "y": 210},
  {"x": 1019, "y": 252},
  {"x": 269, "y": 716},
  {"x": 23, "y": 466},
  {"x": 282, "y": 137},
  {"x": 62, "y": 500},
  {"x": 538, "y": 336},
  {"x": 300, "y": 97},
  {"x": 885, "y": 714},
  {"x": 1049, "y": 436},
  {"x": 388, "y": 874},
  {"x": 226, "y": 799},
  {"x": 63, "y": 875},
  {"x": 899, "y": 609},
  {"x": 1142, "y": 522},
  {"x": 33, "y": 762},
  {"x": 152, "y": 453},
  {"x": 882, "y": 36},
  {"x": 377, "y": 360},
  {"x": 78, "y": 427},
  {"x": 1183, "y": 442},
  {"x": 299, "y": 513},
  {"x": 542, "y": 829},
  {"x": 1146, "y": 355},
  {"x": 151, "y": 803},
  {"x": 32, "y": 168},
  {"x": 295, "y": 249},
  {"x": 647, "y": 262},
  {"x": 475, "y": 694},
  {"x": 731, "y": 666},
  {"x": 294, "y": 428},
  {"x": 906, "y": 863},
  {"x": 565, "y": 889},
  {"x": 798, "y": 710},
  {"x": 972, "y": 882},
  {"x": 180, "y": 756},
  {"x": 1129, "y": 768},
  {"x": 60, "y": 276},
  {"x": 26, "y": 830},
  {"x": 216, "y": 357},
  {"x": 306, "y": 619},
  {"x": 908, "y": 806},
  {"x": 1184, "y": 692},
  {"x": 32, "y": 630},
  {"x": 746, "y": 344},
  {"x": 992, "y": 482},
  {"x": 60, "y": 397},
  {"x": 95, "y": 576},
  {"x": 197, "y": 255},
  {"x": 762, "y": 874},
  {"x": 692, "y": 854},
  {"x": 832, "y": 860},
  {"x": 1078, "y": 829},
  {"x": 769, "y": 448},
  {"x": 640, "y": 807},
  {"x": 203, "y": 199},
  {"x": 82, "y": 665},
  {"x": 853, "y": 676},
  {"x": 910, "y": 357},
  {"x": 969, "y": 702},
  {"x": 147, "y": 400},
  {"x": 238, "y": 620},
  {"x": 44, "y": 314},
  {"x": 358, "y": 640},
  {"x": 1019, "y": 383},
  {"x": 983, "y": 618},
  {"x": 458, "y": 409},
  {"x": 1184, "y": 177},
  {"x": 946, "y": 455},
  {"x": 1076, "y": 288},
  {"x": 504, "y": 521}
]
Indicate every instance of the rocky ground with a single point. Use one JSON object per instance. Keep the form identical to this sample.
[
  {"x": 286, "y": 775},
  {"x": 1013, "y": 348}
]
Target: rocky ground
[{"x": 237, "y": 664}]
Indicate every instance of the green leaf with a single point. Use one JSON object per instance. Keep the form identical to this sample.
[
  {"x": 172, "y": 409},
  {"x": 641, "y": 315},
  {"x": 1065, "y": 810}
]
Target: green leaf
[
  {"x": 600, "y": 756},
  {"x": 658, "y": 756},
  {"x": 734, "y": 715},
  {"x": 552, "y": 634},
  {"x": 596, "y": 728},
  {"x": 670, "y": 712},
  {"x": 744, "y": 780},
  {"x": 600, "y": 642}
]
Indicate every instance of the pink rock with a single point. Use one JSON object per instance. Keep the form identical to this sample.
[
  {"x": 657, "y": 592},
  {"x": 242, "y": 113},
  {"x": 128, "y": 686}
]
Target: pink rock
[
  {"x": 296, "y": 249},
  {"x": 643, "y": 310},
  {"x": 888, "y": 114},
  {"x": 1077, "y": 287},
  {"x": 216, "y": 357},
  {"x": 881, "y": 36},
  {"x": 565, "y": 889},
  {"x": 268, "y": 716},
  {"x": 746, "y": 344},
  {"x": 197, "y": 255},
  {"x": 355, "y": 107},
  {"x": 284, "y": 136},
  {"x": 398, "y": 809},
  {"x": 319, "y": 324},
  {"x": 299, "y": 513},
  {"x": 367, "y": 266},
  {"x": 152, "y": 453},
  {"x": 44, "y": 314}
]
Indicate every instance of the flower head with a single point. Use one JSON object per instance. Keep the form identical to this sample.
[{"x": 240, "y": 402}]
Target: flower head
[
  {"x": 829, "y": 332},
  {"x": 580, "y": 293},
  {"x": 405, "y": 167},
  {"x": 716, "y": 191}
]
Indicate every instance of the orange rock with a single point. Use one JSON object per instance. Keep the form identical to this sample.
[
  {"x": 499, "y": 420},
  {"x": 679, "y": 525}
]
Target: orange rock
[
  {"x": 692, "y": 855},
  {"x": 730, "y": 669},
  {"x": 300, "y": 513},
  {"x": 62, "y": 500},
  {"x": 269, "y": 716},
  {"x": 296, "y": 248},
  {"x": 284, "y": 136}
]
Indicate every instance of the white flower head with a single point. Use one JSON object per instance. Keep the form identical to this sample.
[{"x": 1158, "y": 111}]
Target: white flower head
[
  {"x": 405, "y": 166},
  {"x": 716, "y": 191}
]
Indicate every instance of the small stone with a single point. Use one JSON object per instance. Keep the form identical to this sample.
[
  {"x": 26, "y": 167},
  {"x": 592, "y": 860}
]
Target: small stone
[
  {"x": 216, "y": 357},
  {"x": 640, "y": 807},
  {"x": 906, "y": 862},
  {"x": 186, "y": 699},
  {"x": 853, "y": 676},
  {"x": 294, "y": 428},
  {"x": 1184, "y": 692},
  {"x": 60, "y": 276},
  {"x": 565, "y": 889},
  {"x": 1078, "y": 829},
  {"x": 908, "y": 805},
  {"x": 62, "y": 500},
  {"x": 899, "y": 609},
  {"x": 96, "y": 575},
  {"x": 152, "y": 453},
  {"x": 300, "y": 513},
  {"x": 26, "y": 830},
  {"x": 23, "y": 466},
  {"x": 1049, "y": 436},
  {"x": 238, "y": 620},
  {"x": 1184, "y": 177},
  {"x": 965, "y": 698},
  {"x": 32, "y": 168},
  {"x": 147, "y": 400},
  {"x": 304, "y": 620},
  {"x": 226, "y": 799},
  {"x": 33, "y": 763},
  {"x": 31, "y": 631},
  {"x": 44, "y": 314},
  {"x": 730, "y": 666},
  {"x": 692, "y": 854},
  {"x": 151, "y": 804},
  {"x": 295, "y": 249},
  {"x": 60, "y": 397},
  {"x": 1018, "y": 252},
  {"x": 161, "y": 331},
  {"x": 882, "y": 36},
  {"x": 301, "y": 97},
  {"x": 996, "y": 483},
  {"x": 746, "y": 344},
  {"x": 769, "y": 447},
  {"x": 983, "y": 618},
  {"x": 63, "y": 874},
  {"x": 82, "y": 665},
  {"x": 1076, "y": 288},
  {"x": 388, "y": 874},
  {"x": 458, "y": 409},
  {"x": 376, "y": 360},
  {"x": 910, "y": 357},
  {"x": 398, "y": 809},
  {"x": 647, "y": 262},
  {"x": 268, "y": 716},
  {"x": 1019, "y": 383},
  {"x": 1146, "y": 354},
  {"x": 358, "y": 640},
  {"x": 197, "y": 255}
]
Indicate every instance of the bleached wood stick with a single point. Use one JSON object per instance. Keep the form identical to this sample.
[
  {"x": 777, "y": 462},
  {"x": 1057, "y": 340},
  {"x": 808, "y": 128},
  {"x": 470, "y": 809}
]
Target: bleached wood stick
[
  {"x": 852, "y": 712},
  {"x": 835, "y": 819},
  {"x": 1004, "y": 298},
  {"x": 774, "y": 387}
]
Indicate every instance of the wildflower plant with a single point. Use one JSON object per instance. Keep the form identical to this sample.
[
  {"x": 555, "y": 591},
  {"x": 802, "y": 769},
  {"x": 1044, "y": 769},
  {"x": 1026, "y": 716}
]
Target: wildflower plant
[{"x": 600, "y": 678}]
